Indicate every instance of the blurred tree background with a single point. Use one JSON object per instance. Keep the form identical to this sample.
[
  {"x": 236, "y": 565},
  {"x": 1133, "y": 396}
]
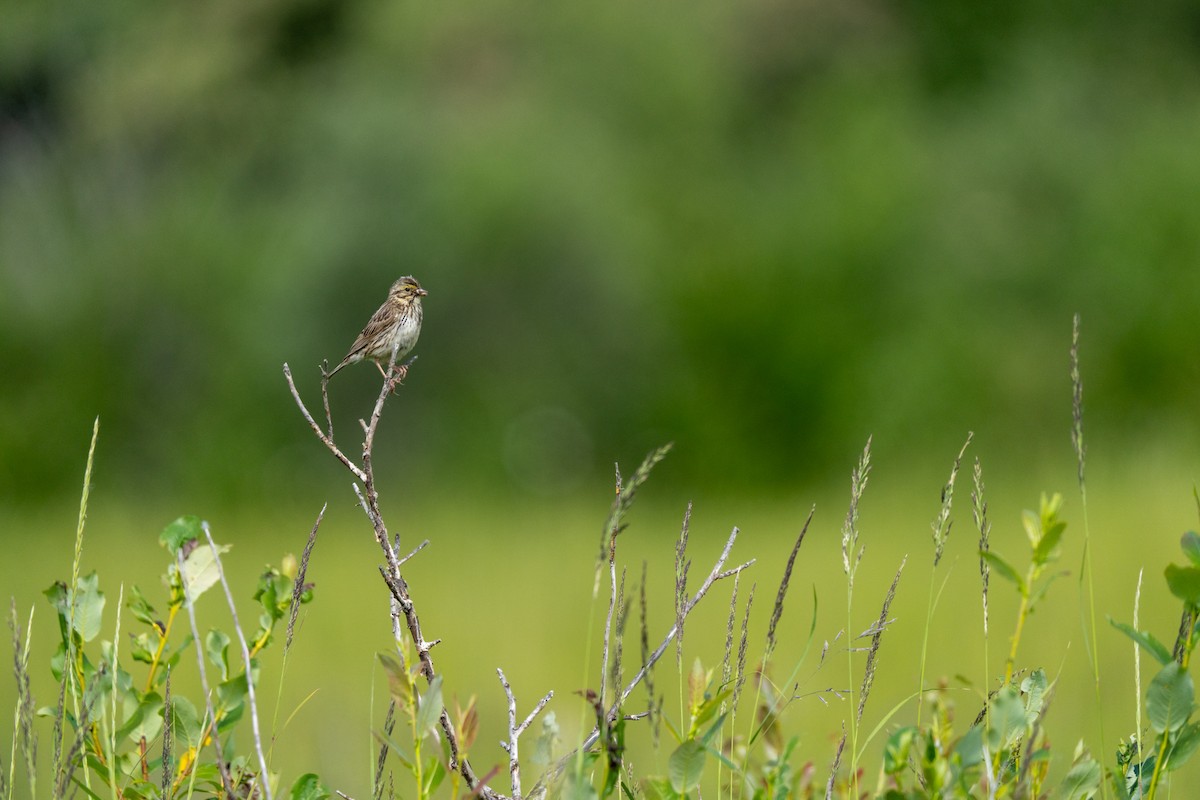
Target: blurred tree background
[{"x": 760, "y": 229}]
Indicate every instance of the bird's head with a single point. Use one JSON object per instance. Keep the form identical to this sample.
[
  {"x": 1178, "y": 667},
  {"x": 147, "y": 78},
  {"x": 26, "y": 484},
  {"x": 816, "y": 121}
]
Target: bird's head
[{"x": 407, "y": 287}]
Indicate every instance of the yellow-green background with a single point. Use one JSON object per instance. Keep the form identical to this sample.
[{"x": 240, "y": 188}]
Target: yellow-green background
[{"x": 762, "y": 231}]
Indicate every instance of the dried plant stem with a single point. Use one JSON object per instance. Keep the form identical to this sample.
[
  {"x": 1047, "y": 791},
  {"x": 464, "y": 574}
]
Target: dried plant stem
[
  {"x": 210, "y": 712},
  {"x": 397, "y": 586},
  {"x": 264, "y": 776},
  {"x": 715, "y": 574},
  {"x": 515, "y": 731}
]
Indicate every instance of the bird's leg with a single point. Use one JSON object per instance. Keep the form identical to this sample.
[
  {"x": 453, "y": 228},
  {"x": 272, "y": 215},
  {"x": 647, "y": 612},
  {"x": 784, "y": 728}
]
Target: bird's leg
[{"x": 399, "y": 373}]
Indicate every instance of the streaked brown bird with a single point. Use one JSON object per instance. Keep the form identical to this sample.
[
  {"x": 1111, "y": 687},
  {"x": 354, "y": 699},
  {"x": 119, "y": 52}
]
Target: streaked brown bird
[{"x": 395, "y": 326}]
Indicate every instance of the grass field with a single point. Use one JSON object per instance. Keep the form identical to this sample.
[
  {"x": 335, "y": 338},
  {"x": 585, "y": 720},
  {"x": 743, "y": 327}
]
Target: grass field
[{"x": 507, "y": 583}]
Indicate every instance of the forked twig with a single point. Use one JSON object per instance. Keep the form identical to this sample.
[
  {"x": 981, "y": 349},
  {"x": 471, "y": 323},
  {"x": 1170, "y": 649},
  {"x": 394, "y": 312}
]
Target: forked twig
[
  {"x": 400, "y": 600},
  {"x": 515, "y": 731},
  {"x": 715, "y": 574}
]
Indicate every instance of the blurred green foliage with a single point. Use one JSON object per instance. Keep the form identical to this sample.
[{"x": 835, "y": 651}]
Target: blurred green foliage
[{"x": 761, "y": 229}]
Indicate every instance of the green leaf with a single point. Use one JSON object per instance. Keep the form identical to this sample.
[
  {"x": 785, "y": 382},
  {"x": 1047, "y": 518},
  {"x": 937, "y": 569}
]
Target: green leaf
[
  {"x": 308, "y": 787},
  {"x": 435, "y": 772},
  {"x": 710, "y": 706},
  {"x": 1047, "y": 547},
  {"x": 1169, "y": 698},
  {"x": 1159, "y": 651},
  {"x": 138, "y": 606},
  {"x": 1007, "y": 717},
  {"x": 1002, "y": 567},
  {"x": 543, "y": 748},
  {"x": 1033, "y": 527},
  {"x": 659, "y": 789},
  {"x": 232, "y": 694},
  {"x": 1034, "y": 687},
  {"x": 200, "y": 570},
  {"x": 185, "y": 722},
  {"x": 685, "y": 767},
  {"x": 712, "y": 729},
  {"x": 141, "y": 648},
  {"x": 1184, "y": 583},
  {"x": 579, "y": 788},
  {"x": 89, "y": 607},
  {"x": 969, "y": 748},
  {"x": 143, "y": 718},
  {"x": 179, "y": 533},
  {"x": 1185, "y": 744},
  {"x": 897, "y": 748},
  {"x": 1082, "y": 781},
  {"x": 399, "y": 683},
  {"x": 429, "y": 707},
  {"x": 216, "y": 645},
  {"x": 1191, "y": 547}
]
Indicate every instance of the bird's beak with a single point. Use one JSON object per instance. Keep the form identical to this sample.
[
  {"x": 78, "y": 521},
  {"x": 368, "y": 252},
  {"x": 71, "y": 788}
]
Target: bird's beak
[{"x": 421, "y": 292}]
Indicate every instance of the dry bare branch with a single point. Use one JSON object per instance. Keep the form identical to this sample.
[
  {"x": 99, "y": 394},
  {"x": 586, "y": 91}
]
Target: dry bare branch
[
  {"x": 237, "y": 627},
  {"x": 400, "y": 601},
  {"x": 515, "y": 731}
]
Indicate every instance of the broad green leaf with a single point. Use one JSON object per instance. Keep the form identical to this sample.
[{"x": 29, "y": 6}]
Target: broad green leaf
[
  {"x": 1185, "y": 744},
  {"x": 308, "y": 787},
  {"x": 1034, "y": 687},
  {"x": 179, "y": 533},
  {"x": 185, "y": 722},
  {"x": 969, "y": 748},
  {"x": 1154, "y": 647},
  {"x": 232, "y": 694},
  {"x": 685, "y": 767},
  {"x": 1191, "y": 547},
  {"x": 1082, "y": 781},
  {"x": 1169, "y": 698},
  {"x": 659, "y": 789},
  {"x": 200, "y": 570},
  {"x": 216, "y": 646},
  {"x": 89, "y": 607},
  {"x": 1007, "y": 717},
  {"x": 429, "y": 707},
  {"x": 1002, "y": 567},
  {"x": 1184, "y": 583},
  {"x": 710, "y": 706},
  {"x": 896, "y": 750},
  {"x": 143, "y": 718}
]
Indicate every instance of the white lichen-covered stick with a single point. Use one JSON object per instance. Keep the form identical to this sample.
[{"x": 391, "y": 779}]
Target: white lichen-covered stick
[{"x": 515, "y": 731}]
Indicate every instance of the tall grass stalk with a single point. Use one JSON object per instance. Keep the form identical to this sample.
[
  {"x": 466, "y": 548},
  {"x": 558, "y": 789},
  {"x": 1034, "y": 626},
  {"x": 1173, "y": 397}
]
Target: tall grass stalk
[
  {"x": 1137, "y": 668},
  {"x": 1088, "y": 617},
  {"x": 852, "y": 554},
  {"x": 941, "y": 533},
  {"x": 73, "y": 664},
  {"x": 979, "y": 511}
]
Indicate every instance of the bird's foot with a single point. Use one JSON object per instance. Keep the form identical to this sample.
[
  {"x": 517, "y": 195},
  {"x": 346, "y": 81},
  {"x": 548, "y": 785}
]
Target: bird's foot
[{"x": 399, "y": 373}]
